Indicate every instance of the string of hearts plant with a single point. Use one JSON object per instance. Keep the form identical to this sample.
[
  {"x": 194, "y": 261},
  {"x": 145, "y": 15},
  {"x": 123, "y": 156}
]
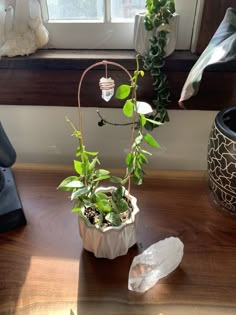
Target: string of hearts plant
[
  {"x": 105, "y": 208},
  {"x": 158, "y": 15}
]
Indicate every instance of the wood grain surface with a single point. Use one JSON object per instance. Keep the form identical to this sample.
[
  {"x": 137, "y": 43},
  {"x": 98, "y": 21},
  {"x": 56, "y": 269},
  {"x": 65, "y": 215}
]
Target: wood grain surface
[{"x": 44, "y": 269}]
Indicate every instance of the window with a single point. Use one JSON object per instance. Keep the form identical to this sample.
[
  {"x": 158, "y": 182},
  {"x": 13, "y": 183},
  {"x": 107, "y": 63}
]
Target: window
[{"x": 105, "y": 24}]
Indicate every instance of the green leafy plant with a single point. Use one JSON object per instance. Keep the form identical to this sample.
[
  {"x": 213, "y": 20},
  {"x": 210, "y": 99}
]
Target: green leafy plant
[
  {"x": 158, "y": 16},
  {"x": 108, "y": 208}
]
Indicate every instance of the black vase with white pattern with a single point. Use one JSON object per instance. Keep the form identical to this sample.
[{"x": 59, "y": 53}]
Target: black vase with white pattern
[{"x": 222, "y": 159}]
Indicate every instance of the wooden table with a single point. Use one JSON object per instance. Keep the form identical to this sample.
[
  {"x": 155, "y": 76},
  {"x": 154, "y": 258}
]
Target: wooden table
[{"x": 44, "y": 269}]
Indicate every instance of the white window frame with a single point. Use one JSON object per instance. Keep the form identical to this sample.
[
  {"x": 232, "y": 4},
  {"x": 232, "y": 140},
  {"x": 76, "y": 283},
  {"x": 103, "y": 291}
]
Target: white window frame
[{"x": 113, "y": 35}]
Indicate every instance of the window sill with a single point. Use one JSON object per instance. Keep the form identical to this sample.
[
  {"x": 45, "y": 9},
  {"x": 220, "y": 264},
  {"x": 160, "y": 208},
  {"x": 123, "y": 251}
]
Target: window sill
[
  {"x": 50, "y": 77},
  {"x": 81, "y": 59}
]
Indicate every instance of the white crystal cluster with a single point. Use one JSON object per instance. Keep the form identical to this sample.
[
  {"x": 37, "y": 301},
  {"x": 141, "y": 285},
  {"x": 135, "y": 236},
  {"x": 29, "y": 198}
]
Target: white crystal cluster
[{"x": 21, "y": 29}]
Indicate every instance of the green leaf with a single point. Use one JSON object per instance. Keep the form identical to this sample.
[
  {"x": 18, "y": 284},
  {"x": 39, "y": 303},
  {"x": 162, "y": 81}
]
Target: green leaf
[
  {"x": 87, "y": 202},
  {"x": 138, "y": 140},
  {"x": 114, "y": 207},
  {"x": 154, "y": 122},
  {"x": 77, "y": 206},
  {"x": 137, "y": 180},
  {"x": 143, "y": 120},
  {"x": 101, "y": 178},
  {"x": 79, "y": 192},
  {"x": 123, "y": 91},
  {"x": 129, "y": 159},
  {"x": 103, "y": 206},
  {"x": 151, "y": 141},
  {"x": 142, "y": 158},
  {"x": 102, "y": 172},
  {"x": 157, "y": 22},
  {"x": 139, "y": 173},
  {"x": 114, "y": 218},
  {"x": 146, "y": 152},
  {"x": 76, "y": 209},
  {"x": 128, "y": 108},
  {"x": 92, "y": 153},
  {"x": 78, "y": 167},
  {"x": 148, "y": 23},
  {"x": 102, "y": 202},
  {"x": 75, "y": 184},
  {"x": 100, "y": 195},
  {"x": 122, "y": 205},
  {"x": 118, "y": 193},
  {"x": 141, "y": 72},
  {"x": 93, "y": 164},
  {"x": 76, "y": 134},
  {"x": 115, "y": 179},
  {"x": 131, "y": 166},
  {"x": 171, "y": 5},
  {"x": 125, "y": 180},
  {"x": 69, "y": 183},
  {"x": 79, "y": 150}
]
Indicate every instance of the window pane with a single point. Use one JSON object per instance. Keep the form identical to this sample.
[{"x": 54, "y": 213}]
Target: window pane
[
  {"x": 126, "y": 9},
  {"x": 115, "y": 35},
  {"x": 75, "y": 9}
]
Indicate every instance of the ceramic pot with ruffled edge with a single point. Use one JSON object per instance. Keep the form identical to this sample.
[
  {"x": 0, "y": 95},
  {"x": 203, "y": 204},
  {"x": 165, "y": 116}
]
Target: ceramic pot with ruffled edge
[
  {"x": 112, "y": 241},
  {"x": 222, "y": 160}
]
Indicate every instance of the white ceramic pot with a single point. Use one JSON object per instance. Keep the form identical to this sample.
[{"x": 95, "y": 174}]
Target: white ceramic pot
[
  {"x": 110, "y": 242},
  {"x": 142, "y": 36}
]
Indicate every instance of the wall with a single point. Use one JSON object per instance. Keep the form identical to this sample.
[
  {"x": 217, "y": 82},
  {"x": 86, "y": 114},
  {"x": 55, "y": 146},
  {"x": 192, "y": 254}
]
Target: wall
[{"x": 41, "y": 135}]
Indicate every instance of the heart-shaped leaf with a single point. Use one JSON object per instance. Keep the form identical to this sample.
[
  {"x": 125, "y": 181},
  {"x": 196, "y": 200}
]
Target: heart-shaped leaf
[
  {"x": 123, "y": 91},
  {"x": 128, "y": 108}
]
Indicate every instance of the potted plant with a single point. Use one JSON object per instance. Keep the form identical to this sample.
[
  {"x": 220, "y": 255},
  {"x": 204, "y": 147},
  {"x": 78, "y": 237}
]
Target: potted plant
[
  {"x": 160, "y": 16},
  {"x": 108, "y": 215},
  {"x": 221, "y": 154},
  {"x": 155, "y": 35}
]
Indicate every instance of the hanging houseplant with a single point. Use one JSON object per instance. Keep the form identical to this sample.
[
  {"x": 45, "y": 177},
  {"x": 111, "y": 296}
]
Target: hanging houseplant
[
  {"x": 108, "y": 215},
  {"x": 155, "y": 36}
]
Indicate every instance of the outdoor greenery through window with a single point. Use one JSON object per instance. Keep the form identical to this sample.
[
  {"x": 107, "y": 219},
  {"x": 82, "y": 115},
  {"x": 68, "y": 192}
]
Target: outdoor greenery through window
[
  {"x": 106, "y": 24},
  {"x": 94, "y": 9}
]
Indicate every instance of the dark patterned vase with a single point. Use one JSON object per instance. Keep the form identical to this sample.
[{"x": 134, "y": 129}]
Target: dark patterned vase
[{"x": 222, "y": 159}]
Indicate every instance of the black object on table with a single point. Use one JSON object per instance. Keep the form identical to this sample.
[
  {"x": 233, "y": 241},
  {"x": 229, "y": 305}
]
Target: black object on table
[{"x": 11, "y": 212}]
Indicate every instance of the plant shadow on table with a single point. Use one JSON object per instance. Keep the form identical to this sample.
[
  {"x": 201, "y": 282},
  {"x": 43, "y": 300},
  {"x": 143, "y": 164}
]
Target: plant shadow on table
[
  {"x": 103, "y": 283},
  {"x": 14, "y": 268},
  {"x": 103, "y": 286}
]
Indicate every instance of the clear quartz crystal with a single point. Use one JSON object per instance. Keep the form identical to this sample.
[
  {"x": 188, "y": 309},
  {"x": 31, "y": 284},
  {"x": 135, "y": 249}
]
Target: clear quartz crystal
[
  {"x": 107, "y": 86},
  {"x": 156, "y": 262},
  {"x": 107, "y": 94}
]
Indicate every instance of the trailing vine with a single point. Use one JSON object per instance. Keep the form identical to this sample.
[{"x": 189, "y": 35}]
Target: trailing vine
[
  {"x": 158, "y": 15},
  {"x": 83, "y": 186}
]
